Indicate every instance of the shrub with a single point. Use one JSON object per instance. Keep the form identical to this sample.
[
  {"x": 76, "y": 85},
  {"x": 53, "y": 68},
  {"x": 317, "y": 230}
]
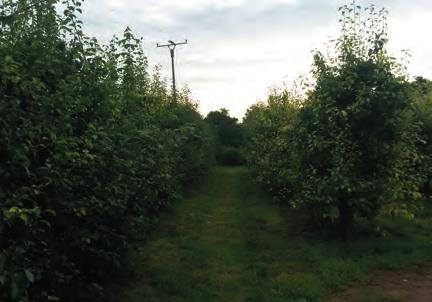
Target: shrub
[
  {"x": 230, "y": 156},
  {"x": 350, "y": 147},
  {"x": 228, "y": 137},
  {"x": 92, "y": 150}
]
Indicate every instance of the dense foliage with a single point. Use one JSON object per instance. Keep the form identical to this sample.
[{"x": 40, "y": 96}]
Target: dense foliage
[
  {"x": 228, "y": 137},
  {"x": 349, "y": 149},
  {"x": 268, "y": 128},
  {"x": 421, "y": 97},
  {"x": 91, "y": 149}
]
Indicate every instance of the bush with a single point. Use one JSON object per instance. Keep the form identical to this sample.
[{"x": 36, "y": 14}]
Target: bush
[
  {"x": 270, "y": 155},
  {"x": 92, "y": 150},
  {"x": 421, "y": 96},
  {"x": 230, "y": 156},
  {"x": 349, "y": 148},
  {"x": 228, "y": 138}
]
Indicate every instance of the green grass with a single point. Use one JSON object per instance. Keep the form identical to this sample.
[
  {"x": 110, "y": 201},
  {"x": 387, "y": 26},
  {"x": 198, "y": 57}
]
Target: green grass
[{"x": 229, "y": 242}]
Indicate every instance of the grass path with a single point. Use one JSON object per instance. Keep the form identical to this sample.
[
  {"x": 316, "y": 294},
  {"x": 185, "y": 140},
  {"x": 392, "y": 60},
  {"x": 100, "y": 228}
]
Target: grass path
[{"x": 226, "y": 242}]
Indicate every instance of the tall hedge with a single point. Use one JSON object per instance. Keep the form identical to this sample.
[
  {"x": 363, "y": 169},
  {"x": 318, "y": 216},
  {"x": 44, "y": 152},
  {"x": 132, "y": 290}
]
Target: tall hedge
[
  {"x": 91, "y": 147},
  {"x": 350, "y": 149},
  {"x": 269, "y": 131}
]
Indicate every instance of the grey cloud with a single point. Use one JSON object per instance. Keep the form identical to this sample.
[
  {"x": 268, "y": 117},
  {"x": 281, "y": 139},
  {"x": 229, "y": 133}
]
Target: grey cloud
[{"x": 243, "y": 28}]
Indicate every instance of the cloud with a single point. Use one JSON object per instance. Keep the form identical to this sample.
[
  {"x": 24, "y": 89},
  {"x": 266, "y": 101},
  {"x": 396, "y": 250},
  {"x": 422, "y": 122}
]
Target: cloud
[{"x": 238, "y": 48}]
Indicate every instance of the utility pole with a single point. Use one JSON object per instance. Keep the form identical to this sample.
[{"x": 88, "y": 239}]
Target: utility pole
[{"x": 171, "y": 46}]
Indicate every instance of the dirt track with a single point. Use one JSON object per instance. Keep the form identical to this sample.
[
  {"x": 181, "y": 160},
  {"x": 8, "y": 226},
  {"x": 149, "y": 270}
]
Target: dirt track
[{"x": 409, "y": 285}]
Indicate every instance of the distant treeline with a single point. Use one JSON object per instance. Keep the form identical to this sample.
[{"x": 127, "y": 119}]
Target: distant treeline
[{"x": 228, "y": 137}]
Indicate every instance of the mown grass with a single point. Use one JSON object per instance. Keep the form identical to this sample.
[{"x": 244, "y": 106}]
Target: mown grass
[{"x": 229, "y": 242}]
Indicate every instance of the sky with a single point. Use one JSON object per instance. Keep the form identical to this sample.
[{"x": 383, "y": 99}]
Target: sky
[{"x": 238, "y": 49}]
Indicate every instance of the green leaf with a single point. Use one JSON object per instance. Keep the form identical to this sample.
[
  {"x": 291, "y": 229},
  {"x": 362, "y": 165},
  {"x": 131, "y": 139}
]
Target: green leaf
[
  {"x": 51, "y": 212},
  {"x": 29, "y": 275}
]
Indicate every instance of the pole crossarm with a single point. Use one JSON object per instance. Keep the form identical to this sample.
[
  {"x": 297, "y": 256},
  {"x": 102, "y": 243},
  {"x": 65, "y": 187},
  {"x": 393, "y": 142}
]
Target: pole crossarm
[{"x": 172, "y": 44}]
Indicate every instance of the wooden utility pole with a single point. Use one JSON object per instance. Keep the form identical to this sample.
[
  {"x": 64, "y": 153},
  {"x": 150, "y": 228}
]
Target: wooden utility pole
[{"x": 171, "y": 46}]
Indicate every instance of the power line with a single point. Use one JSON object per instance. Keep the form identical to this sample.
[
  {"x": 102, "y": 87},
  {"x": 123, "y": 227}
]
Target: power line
[{"x": 171, "y": 46}]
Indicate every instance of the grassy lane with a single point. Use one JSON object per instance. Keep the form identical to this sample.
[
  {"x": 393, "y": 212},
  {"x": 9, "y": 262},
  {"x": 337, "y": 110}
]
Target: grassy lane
[{"x": 227, "y": 242}]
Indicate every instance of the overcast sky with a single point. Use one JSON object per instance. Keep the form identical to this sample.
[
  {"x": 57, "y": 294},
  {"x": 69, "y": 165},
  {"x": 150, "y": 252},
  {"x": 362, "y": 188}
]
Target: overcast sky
[{"x": 239, "y": 48}]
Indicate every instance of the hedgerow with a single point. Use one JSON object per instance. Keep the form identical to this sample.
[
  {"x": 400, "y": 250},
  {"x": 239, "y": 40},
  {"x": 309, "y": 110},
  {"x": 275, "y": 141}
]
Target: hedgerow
[
  {"x": 349, "y": 148},
  {"x": 92, "y": 148}
]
